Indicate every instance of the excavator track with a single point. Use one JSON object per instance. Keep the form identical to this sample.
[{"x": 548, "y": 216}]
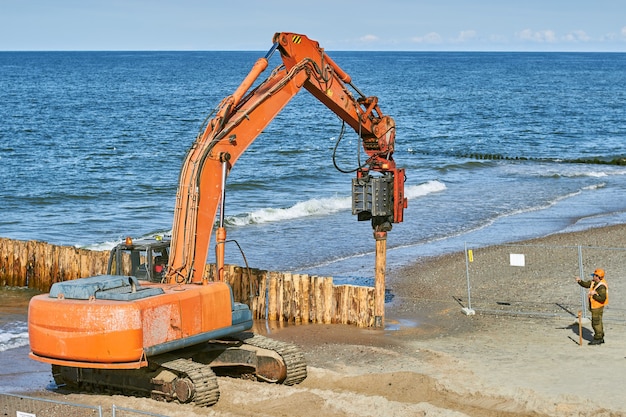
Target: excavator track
[
  {"x": 204, "y": 391},
  {"x": 171, "y": 379},
  {"x": 190, "y": 375},
  {"x": 291, "y": 355}
]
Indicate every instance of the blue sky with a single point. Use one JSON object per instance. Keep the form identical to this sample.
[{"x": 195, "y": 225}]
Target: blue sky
[{"x": 411, "y": 25}]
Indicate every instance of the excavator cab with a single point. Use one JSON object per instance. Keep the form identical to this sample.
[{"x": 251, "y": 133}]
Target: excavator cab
[{"x": 145, "y": 259}]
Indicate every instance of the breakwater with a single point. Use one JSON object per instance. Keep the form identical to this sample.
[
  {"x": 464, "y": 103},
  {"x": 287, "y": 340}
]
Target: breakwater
[{"x": 271, "y": 295}]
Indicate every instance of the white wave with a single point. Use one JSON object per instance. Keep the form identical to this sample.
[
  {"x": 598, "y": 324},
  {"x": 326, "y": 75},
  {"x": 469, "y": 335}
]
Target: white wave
[
  {"x": 420, "y": 190},
  {"x": 597, "y": 174},
  {"x": 102, "y": 246},
  {"x": 594, "y": 186},
  {"x": 575, "y": 172},
  {"x": 593, "y": 174},
  {"x": 12, "y": 341},
  {"x": 312, "y": 207},
  {"x": 15, "y": 337},
  {"x": 320, "y": 206}
]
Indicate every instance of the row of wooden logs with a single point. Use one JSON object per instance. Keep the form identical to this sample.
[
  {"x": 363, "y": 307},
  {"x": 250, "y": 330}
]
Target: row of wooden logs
[
  {"x": 274, "y": 296},
  {"x": 38, "y": 265},
  {"x": 301, "y": 298}
]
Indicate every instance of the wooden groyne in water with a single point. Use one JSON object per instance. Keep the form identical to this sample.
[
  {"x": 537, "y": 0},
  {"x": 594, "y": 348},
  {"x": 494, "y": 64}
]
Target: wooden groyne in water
[
  {"x": 38, "y": 265},
  {"x": 300, "y": 298},
  {"x": 275, "y": 296}
]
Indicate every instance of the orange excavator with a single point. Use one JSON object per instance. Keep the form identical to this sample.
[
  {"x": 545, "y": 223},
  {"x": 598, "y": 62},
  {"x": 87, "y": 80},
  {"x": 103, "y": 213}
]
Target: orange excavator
[{"x": 169, "y": 337}]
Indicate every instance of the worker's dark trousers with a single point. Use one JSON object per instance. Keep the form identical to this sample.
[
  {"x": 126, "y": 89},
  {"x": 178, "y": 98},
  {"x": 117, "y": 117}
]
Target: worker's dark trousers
[{"x": 596, "y": 323}]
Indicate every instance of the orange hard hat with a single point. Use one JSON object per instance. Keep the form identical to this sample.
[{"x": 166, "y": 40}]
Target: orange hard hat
[{"x": 599, "y": 272}]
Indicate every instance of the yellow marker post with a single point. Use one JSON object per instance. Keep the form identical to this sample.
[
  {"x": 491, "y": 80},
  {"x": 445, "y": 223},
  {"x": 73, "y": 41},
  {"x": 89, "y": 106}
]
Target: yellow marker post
[{"x": 469, "y": 257}]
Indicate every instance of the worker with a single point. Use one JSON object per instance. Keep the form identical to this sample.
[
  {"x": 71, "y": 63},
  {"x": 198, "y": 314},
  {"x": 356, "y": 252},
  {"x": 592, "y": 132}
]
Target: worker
[
  {"x": 598, "y": 299},
  {"x": 158, "y": 264},
  {"x": 160, "y": 267}
]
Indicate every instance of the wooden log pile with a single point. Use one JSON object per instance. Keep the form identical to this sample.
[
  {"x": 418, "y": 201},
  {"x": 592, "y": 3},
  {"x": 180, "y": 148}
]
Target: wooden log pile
[
  {"x": 275, "y": 296},
  {"x": 38, "y": 265},
  {"x": 300, "y": 298}
]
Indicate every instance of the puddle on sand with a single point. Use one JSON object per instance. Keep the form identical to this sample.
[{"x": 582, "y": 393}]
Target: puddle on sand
[{"x": 399, "y": 324}]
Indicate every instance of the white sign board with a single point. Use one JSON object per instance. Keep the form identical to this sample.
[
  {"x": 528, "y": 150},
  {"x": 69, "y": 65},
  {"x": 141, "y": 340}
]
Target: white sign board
[
  {"x": 23, "y": 414},
  {"x": 517, "y": 259}
]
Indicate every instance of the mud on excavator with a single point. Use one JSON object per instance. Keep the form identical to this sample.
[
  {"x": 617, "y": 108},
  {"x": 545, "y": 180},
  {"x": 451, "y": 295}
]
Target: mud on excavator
[{"x": 156, "y": 325}]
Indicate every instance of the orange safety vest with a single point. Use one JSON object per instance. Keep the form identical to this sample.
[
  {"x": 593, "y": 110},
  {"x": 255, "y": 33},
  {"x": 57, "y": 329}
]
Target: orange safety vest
[{"x": 596, "y": 304}]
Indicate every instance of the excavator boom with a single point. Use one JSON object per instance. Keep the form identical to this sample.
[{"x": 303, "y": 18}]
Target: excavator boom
[{"x": 240, "y": 119}]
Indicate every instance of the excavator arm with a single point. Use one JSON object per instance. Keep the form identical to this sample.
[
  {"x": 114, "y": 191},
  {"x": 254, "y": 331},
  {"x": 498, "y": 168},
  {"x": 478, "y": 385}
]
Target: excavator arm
[{"x": 240, "y": 119}]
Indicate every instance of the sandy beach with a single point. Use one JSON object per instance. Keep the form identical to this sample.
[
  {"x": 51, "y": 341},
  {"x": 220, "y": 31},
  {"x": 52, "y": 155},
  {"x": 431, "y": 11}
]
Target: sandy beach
[{"x": 431, "y": 359}]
